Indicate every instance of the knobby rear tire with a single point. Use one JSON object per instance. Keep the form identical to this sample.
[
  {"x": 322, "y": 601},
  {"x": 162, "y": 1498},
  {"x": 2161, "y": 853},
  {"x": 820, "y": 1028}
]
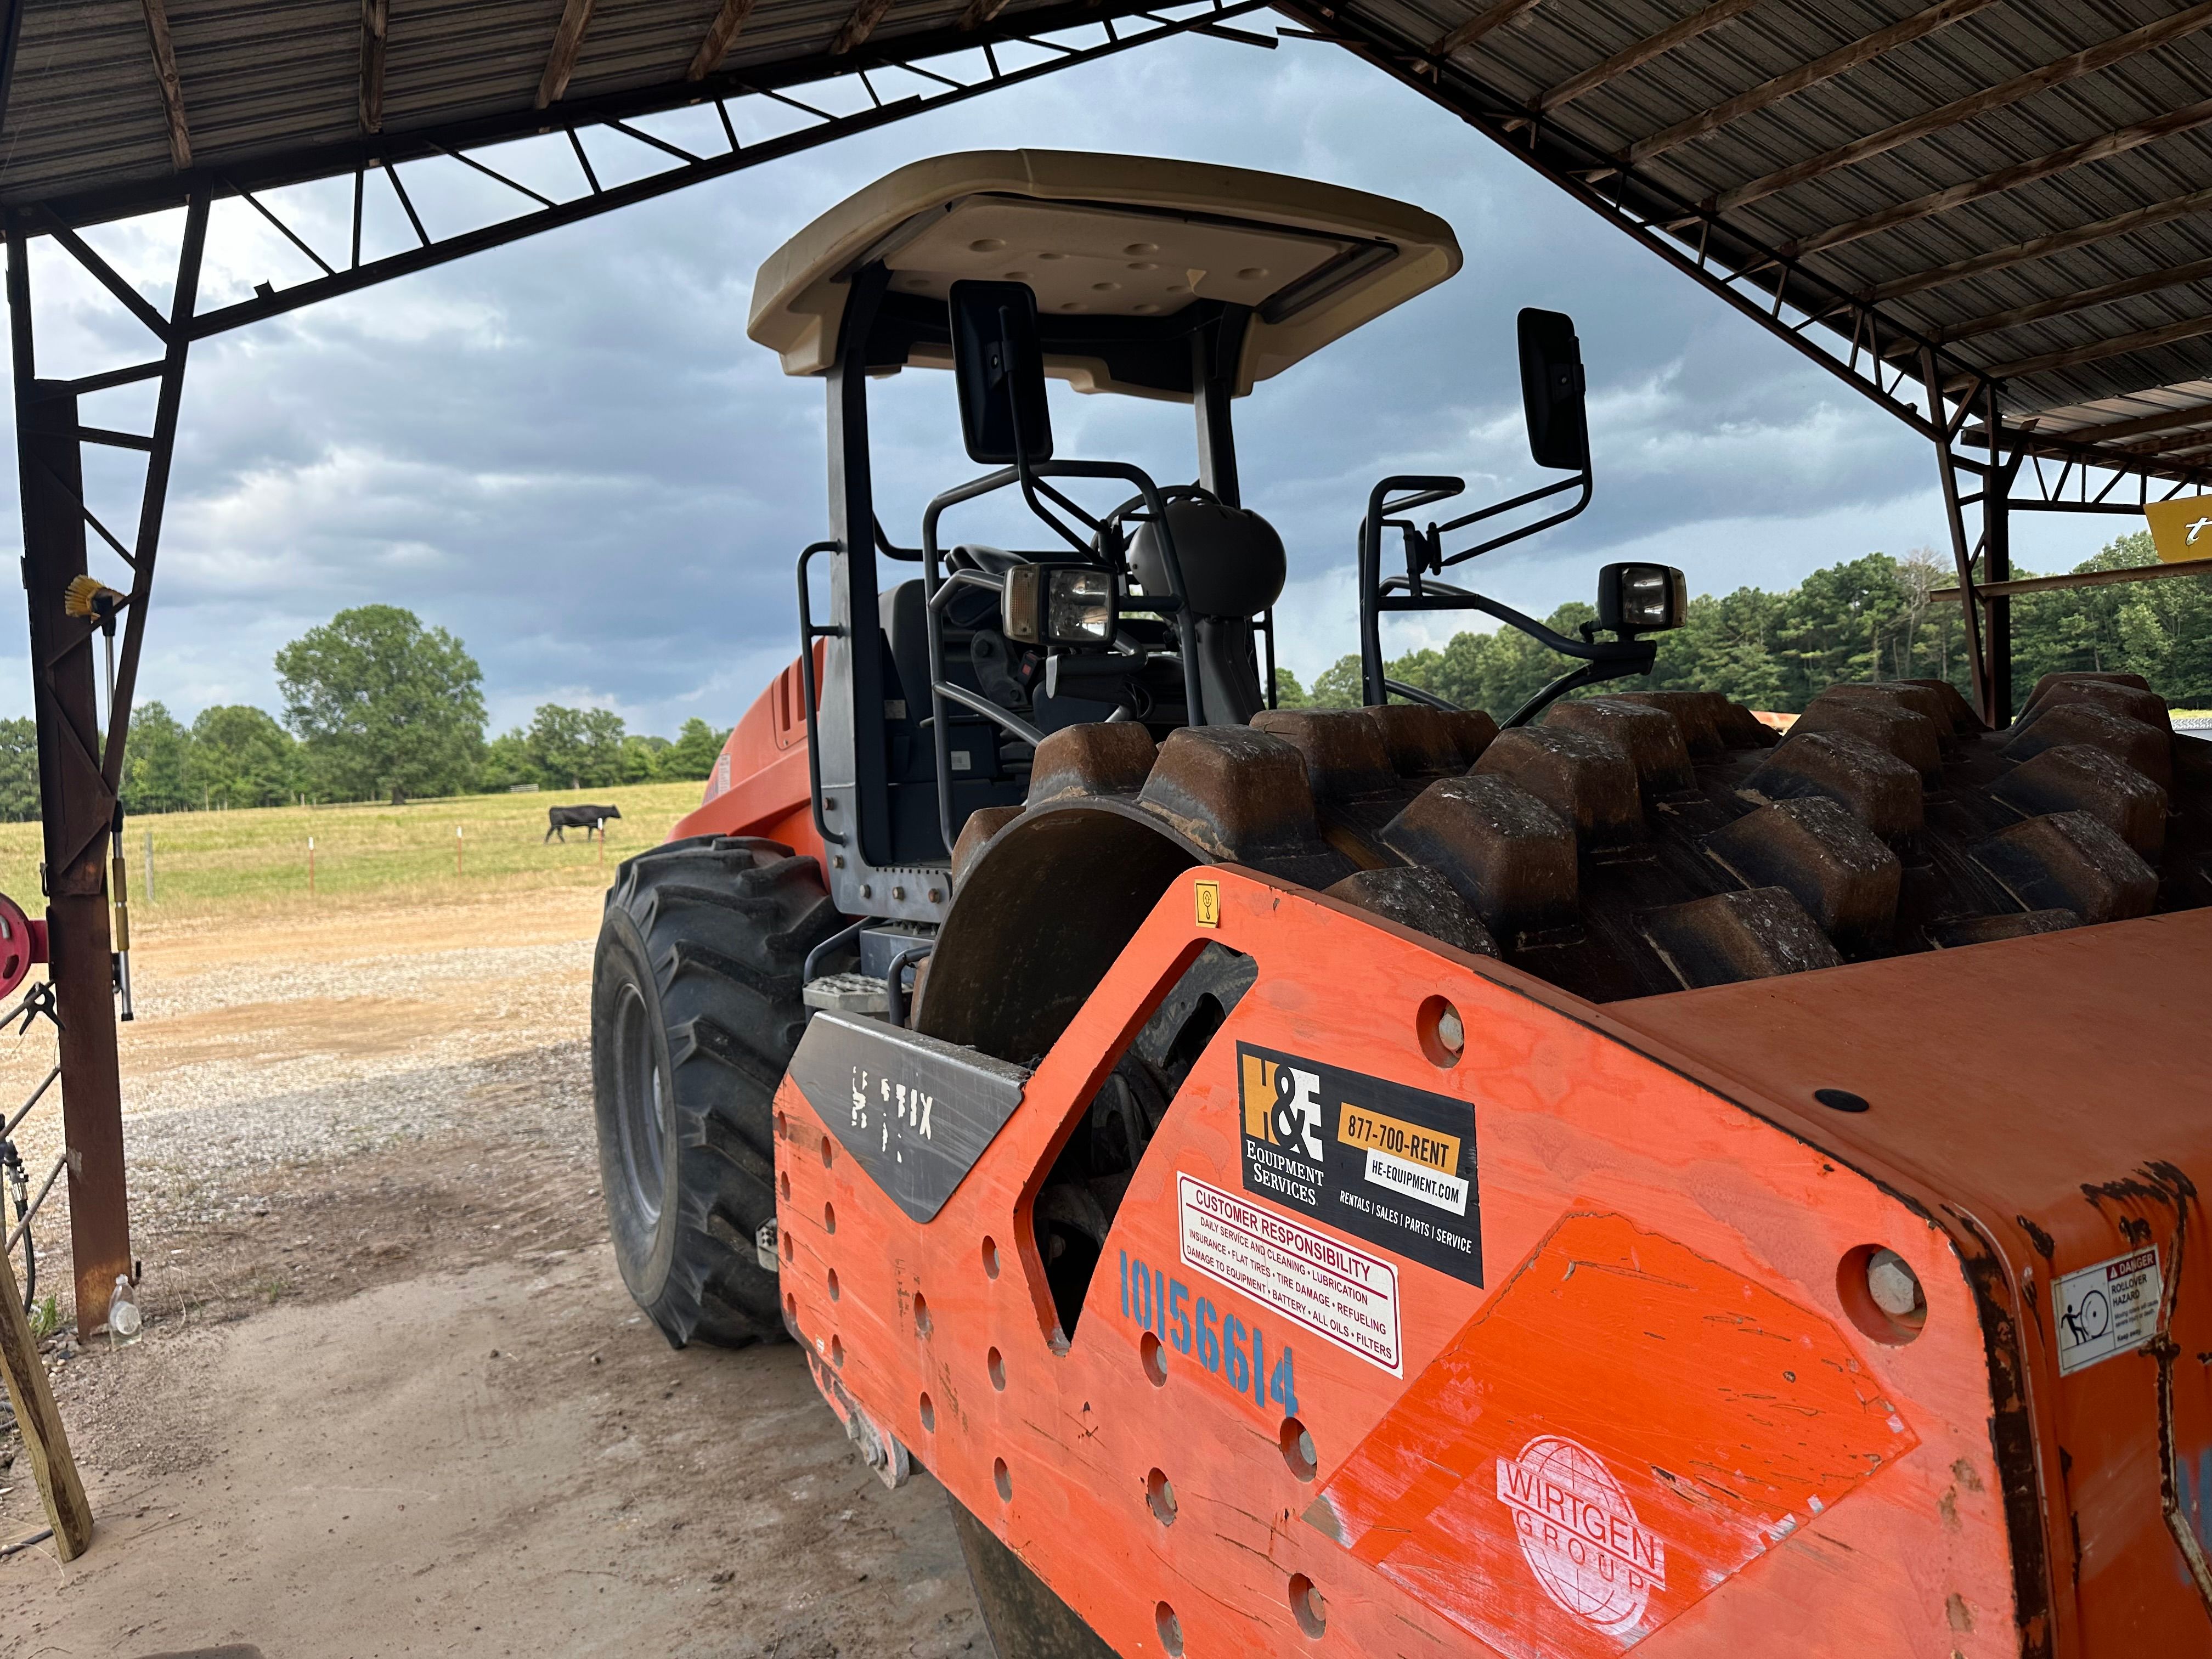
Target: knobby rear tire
[{"x": 695, "y": 1011}]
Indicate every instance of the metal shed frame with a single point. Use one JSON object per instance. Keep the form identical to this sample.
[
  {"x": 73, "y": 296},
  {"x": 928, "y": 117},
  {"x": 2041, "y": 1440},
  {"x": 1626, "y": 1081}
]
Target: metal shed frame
[{"x": 1985, "y": 215}]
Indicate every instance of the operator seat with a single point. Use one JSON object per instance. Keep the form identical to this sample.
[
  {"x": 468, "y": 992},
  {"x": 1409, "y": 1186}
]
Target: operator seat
[{"x": 1232, "y": 570}]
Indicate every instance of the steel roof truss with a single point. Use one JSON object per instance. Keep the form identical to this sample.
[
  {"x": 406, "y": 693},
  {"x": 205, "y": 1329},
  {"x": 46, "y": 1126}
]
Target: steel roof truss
[
  {"x": 1788, "y": 84},
  {"x": 720, "y": 34},
  {"x": 164, "y": 77},
  {"x": 1974, "y": 105},
  {"x": 2040, "y": 247},
  {"x": 2195, "y": 270},
  {"x": 2102, "y": 147},
  {"x": 688, "y": 168},
  {"x": 375, "y": 19},
  {"x": 1703, "y": 20},
  {"x": 567, "y": 47},
  {"x": 856, "y": 28}
]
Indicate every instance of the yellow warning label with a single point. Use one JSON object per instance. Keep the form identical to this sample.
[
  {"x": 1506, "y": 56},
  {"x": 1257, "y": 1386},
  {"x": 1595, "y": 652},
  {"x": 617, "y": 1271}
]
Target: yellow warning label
[
  {"x": 1373, "y": 1132},
  {"x": 1256, "y": 1088},
  {"x": 1208, "y": 897},
  {"x": 2181, "y": 531}
]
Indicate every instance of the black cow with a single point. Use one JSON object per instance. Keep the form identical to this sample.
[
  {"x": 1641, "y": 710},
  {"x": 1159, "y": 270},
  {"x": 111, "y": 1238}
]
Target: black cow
[{"x": 585, "y": 819}]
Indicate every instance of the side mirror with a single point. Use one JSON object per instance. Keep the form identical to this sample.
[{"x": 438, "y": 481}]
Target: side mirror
[
  {"x": 998, "y": 361},
  {"x": 1551, "y": 391},
  {"x": 1641, "y": 598}
]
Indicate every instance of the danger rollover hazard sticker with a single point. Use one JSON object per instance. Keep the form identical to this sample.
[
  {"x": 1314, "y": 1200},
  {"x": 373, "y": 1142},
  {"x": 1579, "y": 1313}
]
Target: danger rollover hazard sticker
[{"x": 1321, "y": 1282}]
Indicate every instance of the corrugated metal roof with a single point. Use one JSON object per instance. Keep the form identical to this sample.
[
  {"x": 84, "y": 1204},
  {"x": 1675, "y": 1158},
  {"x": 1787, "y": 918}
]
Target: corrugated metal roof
[
  {"x": 1954, "y": 165},
  {"x": 2024, "y": 184},
  {"x": 272, "y": 89}
]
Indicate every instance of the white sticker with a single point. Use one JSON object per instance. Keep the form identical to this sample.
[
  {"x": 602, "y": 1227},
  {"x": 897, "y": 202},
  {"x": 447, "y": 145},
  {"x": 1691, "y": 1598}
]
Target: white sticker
[
  {"x": 1321, "y": 1282},
  {"x": 1579, "y": 1533},
  {"x": 2107, "y": 1309},
  {"x": 1446, "y": 1192}
]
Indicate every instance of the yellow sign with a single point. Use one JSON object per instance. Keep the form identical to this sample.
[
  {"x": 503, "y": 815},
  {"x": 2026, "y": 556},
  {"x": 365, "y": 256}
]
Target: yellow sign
[
  {"x": 1369, "y": 1130},
  {"x": 2181, "y": 531},
  {"x": 1208, "y": 897}
]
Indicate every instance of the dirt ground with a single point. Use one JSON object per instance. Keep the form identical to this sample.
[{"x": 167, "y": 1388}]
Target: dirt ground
[{"x": 391, "y": 1398}]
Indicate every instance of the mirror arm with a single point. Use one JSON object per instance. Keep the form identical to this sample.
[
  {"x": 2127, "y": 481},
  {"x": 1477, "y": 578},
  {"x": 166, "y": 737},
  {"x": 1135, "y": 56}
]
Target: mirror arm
[
  {"x": 1590, "y": 673},
  {"x": 1414, "y": 693},
  {"x": 1424, "y": 489},
  {"x": 1595, "y": 651},
  {"x": 1584, "y": 480}
]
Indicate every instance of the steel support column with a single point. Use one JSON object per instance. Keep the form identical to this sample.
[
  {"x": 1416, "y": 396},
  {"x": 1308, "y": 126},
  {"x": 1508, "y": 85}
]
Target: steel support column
[
  {"x": 80, "y": 772},
  {"x": 1997, "y": 558}
]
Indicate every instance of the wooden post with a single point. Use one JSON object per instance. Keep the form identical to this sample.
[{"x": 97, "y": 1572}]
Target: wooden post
[
  {"x": 457, "y": 849},
  {"x": 311, "y": 866},
  {"x": 40, "y": 1424}
]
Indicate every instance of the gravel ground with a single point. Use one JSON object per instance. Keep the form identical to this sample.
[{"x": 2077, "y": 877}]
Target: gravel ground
[
  {"x": 391, "y": 1397},
  {"x": 236, "y": 1073}
]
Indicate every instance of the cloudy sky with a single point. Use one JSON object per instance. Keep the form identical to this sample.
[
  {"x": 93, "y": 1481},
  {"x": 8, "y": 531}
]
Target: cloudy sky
[{"x": 568, "y": 453}]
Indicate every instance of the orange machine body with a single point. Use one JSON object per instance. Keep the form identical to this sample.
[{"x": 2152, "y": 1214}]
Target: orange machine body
[
  {"x": 1648, "y": 1402},
  {"x": 760, "y": 783}
]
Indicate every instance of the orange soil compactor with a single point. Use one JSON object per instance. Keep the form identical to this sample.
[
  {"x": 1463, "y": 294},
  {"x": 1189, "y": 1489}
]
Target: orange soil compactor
[{"x": 1375, "y": 1182}]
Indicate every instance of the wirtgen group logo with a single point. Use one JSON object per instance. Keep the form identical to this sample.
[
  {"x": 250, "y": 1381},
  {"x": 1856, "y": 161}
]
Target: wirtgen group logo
[
  {"x": 1579, "y": 1533},
  {"x": 1282, "y": 1105}
]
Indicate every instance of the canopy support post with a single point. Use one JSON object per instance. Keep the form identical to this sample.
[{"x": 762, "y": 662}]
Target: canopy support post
[{"x": 80, "y": 754}]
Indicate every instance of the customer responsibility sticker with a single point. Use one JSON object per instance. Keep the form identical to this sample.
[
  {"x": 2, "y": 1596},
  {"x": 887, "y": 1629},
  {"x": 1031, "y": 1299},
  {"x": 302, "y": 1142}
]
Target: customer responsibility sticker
[{"x": 1321, "y": 1282}]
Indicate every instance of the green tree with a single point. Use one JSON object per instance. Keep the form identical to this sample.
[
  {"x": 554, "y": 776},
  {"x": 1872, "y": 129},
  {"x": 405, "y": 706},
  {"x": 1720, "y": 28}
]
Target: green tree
[
  {"x": 1875, "y": 617},
  {"x": 576, "y": 748},
  {"x": 153, "y": 763},
  {"x": 2160, "y": 629},
  {"x": 1337, "y": 686},
  {"x": 641, "y": 757},
  {"x": 383, "y": 705},
  {"x": 19, "y": 770},
  {"x": 1289, "y": 694},
  {"x": 506, "y": 762},
  {"x": 693, "y": 753},
  {"x": 239, "y": 756}
]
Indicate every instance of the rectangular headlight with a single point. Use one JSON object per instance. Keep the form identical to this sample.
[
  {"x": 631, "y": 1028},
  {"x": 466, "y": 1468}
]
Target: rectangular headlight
[
  {"x": 1081, "y": 609},
  {"x": 1641, "y": 598}
]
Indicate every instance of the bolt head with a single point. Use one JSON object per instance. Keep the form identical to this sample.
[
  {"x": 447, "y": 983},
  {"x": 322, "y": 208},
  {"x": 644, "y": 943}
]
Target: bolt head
[{"x": 1893, "y": 1285}]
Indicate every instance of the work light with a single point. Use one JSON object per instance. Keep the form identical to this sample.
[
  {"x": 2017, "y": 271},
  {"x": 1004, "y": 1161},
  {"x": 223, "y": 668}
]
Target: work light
[
  {"x": 1641, "y": 598},
  {"x": 1060, "y": 605}
]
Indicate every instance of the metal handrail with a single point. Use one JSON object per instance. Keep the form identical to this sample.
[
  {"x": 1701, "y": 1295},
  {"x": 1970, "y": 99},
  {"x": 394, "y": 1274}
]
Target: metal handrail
[
  {"x": 935, "y": 581},
  {"x": 808, "y": 633}
]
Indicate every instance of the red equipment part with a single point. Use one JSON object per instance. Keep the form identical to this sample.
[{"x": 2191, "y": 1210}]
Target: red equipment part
[{"x": 22, "y": 944}]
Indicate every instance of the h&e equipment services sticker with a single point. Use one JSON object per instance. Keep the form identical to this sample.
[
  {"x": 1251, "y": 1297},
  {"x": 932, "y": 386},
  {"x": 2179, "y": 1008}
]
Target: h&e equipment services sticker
[{"x": 1388, "y": 1164}]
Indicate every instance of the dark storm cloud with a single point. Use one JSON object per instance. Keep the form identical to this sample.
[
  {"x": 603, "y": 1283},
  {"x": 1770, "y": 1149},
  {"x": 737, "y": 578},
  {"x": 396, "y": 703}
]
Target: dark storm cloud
[{"x": 568, "y": 451}]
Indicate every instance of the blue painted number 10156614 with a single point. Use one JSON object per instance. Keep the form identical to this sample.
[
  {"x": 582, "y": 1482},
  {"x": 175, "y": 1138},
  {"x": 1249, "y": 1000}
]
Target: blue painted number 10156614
[{"x": 1223, "y": 1344}]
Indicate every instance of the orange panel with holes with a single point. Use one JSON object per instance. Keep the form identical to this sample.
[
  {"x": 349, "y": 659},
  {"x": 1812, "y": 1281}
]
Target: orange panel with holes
[{"x": 1582, "y": 1357}]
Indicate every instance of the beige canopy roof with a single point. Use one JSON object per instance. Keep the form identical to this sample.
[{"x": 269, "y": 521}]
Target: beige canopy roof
[{"x": 1108, "y": 237}]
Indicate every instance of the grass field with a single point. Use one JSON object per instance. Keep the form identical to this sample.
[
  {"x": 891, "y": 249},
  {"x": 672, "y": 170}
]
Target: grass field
[{"x": 255, "y": 862}]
